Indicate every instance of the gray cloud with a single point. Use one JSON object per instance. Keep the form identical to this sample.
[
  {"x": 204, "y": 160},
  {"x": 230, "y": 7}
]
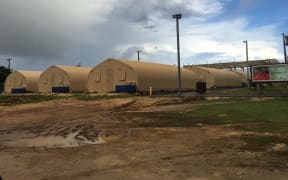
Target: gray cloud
[
  {"x": 65, "y": 31},
  {"x": 131, "y": 52},
  {"x": 32, "y": 29},
  {"x": 200, "y": 58},
  {"x": 150, "y": 27},
  {"x": 145, "y": 11}
]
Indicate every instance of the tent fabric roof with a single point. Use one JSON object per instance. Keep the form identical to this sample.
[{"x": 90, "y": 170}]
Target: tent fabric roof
[
  {"x": 218, "y": 77},
  {"x": 77, "y": 75},
  {"x": 72, "y": 70},
  {"x": 150, "y": 69},
  {"x": 30, "y": 75},
  {"x": 31, "y": 79},
  {"x": 226, "y": 74},
  {"x": 242, "y": 74},
  {"x": 159, "y": 76}
]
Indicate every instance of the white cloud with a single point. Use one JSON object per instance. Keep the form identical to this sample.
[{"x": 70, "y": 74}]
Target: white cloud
[
  {"x": 223, "y": 41},
  {"x": 68, "y": 31}
]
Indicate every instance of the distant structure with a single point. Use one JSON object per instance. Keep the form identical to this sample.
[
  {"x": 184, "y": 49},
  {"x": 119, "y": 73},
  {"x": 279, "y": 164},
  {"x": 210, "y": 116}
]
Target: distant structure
[{"x": 239, "y": 64}]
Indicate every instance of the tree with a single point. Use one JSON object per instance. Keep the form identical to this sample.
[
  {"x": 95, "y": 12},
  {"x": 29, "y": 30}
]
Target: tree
[{"x": 4, "y": 72}]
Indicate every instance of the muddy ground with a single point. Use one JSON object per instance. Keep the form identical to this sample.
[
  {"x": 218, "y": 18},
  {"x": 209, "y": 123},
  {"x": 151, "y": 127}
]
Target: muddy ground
[{"x": 73, "y": 139}]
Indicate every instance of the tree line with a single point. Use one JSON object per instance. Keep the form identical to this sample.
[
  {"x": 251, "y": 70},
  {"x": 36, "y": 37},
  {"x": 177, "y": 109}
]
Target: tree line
[{"x": 4, "y": 72}]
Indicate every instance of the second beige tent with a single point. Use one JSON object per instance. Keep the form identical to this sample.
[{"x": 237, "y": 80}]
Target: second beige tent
[
  {"x": 112, "y": 73},
  {"x": 64, "y": 79}
]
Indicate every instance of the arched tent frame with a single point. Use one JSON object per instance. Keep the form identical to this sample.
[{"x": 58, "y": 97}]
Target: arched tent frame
[
  {"x": 104, "y": 77},
  {"x": 22, "y": 79},
  {"x": 74, "y": 78},
  {"x": 220, "y": 78}
]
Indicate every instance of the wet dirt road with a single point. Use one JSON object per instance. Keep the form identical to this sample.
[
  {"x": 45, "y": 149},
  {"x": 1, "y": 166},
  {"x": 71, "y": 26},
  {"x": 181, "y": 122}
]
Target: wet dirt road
[{"x": 71, "y": 139}]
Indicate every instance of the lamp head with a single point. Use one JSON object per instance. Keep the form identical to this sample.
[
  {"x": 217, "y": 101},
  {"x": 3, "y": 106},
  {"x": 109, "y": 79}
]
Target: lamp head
[{"x": 177, "y": 16}]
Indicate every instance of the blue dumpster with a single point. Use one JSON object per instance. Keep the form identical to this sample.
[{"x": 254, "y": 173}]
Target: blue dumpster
[
  {"x": 64, "y": 89},
  {"x": 18, "y": 90},
  {"x": 126, "y": 88}
]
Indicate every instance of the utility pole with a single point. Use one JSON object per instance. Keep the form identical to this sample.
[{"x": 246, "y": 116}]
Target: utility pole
[
  {"x": 246, "y": 42},
  {"x": 177, "y": 17},
  {"x": 138, "y": 52},
  {"x": 285, "y": 43},
  {"x": 9, "y": 63}
]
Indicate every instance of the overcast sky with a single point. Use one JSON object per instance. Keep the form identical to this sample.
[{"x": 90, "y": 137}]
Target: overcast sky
[{"x": 40, "y": 33}]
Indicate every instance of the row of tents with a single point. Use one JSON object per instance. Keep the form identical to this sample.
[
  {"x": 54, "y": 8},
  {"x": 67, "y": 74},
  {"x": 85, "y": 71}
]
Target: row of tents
[{"x": 117, "y": 75}]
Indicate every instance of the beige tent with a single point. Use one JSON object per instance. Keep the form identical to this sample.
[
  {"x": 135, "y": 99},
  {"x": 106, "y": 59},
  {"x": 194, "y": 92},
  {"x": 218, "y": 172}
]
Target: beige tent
[
  {"x": 64, "y": 79},
  {"x": 113, "y": 73},
  {"x": 242, "y": 74},
  {"x": 22, "y": 81},
  {"x": 217, "y": 77}
]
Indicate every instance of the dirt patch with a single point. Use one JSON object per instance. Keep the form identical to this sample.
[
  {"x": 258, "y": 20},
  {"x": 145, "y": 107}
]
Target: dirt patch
[
  {"x": 73, "y": 139},
  {"x": 279, "y": 147}
]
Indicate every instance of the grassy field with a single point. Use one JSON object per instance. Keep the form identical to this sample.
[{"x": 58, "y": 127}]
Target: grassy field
[
  {"x": 271, "y": 114},
  {"x": 275, "y": 89},
  {"x": 265, "y": 118},
  {"x": 261, "y": 117}
]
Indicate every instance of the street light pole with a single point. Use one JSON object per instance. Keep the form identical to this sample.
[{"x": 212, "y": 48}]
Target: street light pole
[
  {"x": 9, "y": 63},
  {"x": 284, "y": 46},
  {"x": 138, "y": 52},
  {"x": 246, "y": 42},
  {"x": 177, "y": 17}
]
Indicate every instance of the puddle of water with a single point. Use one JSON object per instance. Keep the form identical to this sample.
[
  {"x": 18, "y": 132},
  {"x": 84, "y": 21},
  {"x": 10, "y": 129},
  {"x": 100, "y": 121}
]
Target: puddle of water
[
  {"x": 200, "y": 124},
  {"x": 279, "y": 147},
  {"x": 53, "y": 141}
]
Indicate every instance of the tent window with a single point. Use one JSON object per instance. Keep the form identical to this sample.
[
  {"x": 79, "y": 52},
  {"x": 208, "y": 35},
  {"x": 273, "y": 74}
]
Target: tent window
[
  {"x": 122, "y": 75},
  {"x": 98, "y": 76},
  {"x": 45, "y": 80},
  {"x": 61, "y": 79},
  {"x": 20, "y": 82},
  {"x": 15, "y": 82}
]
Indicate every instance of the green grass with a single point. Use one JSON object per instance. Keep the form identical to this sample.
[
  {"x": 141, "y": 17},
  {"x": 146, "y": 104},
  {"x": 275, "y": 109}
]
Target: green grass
[
  {"x": 7, "y": 100},
  {"x": 275, "y": 89},
  {"x": 259, "y": 116},
  {"x": 268, "y": 115}
]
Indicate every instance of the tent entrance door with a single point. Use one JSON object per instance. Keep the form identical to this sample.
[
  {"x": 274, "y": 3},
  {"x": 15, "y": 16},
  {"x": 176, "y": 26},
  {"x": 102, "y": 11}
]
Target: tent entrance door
[{"x": 109, "y": 80}]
